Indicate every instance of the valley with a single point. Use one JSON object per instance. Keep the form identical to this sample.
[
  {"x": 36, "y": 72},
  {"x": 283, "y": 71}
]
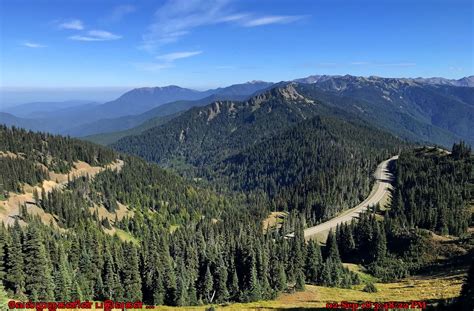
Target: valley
[{"x": 196, "y": 233}]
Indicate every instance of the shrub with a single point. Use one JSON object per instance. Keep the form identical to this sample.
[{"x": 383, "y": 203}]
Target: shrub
[{"x": 370, "y": 288}]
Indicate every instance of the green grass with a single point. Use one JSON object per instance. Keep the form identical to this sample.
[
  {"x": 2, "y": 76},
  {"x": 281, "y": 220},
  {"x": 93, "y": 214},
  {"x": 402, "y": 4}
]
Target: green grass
[
  {"x": 127, "y": 237},
  {"x": 364, "y": 277}
]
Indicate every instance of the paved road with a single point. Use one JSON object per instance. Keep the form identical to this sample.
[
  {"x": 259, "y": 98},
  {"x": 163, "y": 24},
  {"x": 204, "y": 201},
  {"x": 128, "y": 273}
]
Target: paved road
[{"x": 379, "y": 190}]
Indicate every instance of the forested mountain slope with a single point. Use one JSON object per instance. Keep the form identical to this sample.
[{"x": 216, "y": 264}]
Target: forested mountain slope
[
  {"x": 209, "y": 134},
  {"x": 137, "y": 122},
  {"x": 137, "y": 232},
  {"x": 420, "y": 112},
  {"x": 434, "y": 190},
  {"x": 299, "y": 153}
]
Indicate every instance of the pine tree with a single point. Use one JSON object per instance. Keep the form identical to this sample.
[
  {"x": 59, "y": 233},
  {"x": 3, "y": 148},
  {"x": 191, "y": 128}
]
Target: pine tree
[
  {"x": 281, "y": 280},
  {"x": 38, "y": 271},
  {"x": 234, "y": 285},
  {"x": 313, "y": 262},
  {"x": 254, "y": 291},
  {"x": 15, "y": 279},
  {"x": 380, "y": 244},
  {"x": 62, "y": 278},
  {"x": 131, "y": 275},
  {"x": 181, "y": 286},
  {"x": 222, "y": 293},
  {"x": 299, "y": 286},
  {"x": 208, "y": 286},
  {"x": 112, "y": 286},
  {"x": 76, "y": 292},
  {"x": 332, "y": 249}
]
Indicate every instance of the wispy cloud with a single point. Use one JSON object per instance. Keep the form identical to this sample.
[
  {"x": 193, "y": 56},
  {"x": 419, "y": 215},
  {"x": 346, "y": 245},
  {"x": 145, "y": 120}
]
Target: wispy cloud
[
  {"x": 96, "y": 35},
  {"x": 234, "y": 17},
  {"x": 33, "y": 45},
  {"x": 73, "y": 24},
  {"x": 275, "y": 19},
  {"x": 166, "y": 60},
  {"x": 177, "y": 18},
  {"x": 119, "y": 12},
  {"x": 171, "y": 57}
]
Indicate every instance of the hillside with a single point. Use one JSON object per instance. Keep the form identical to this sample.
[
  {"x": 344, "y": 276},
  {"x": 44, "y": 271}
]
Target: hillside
[
  {"x": 413, "y": 110},
  {"x": 144, "y": 233},
  {"x": 301, "y": 154},
  {"x": 148, "y": 234},
  {"x": 129, "y": 110},
  {"x": 137, "y": 123}
]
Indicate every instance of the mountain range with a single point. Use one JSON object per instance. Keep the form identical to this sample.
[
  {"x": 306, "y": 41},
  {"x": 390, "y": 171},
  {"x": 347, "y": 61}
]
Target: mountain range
[{"x": 434, "y": 110}]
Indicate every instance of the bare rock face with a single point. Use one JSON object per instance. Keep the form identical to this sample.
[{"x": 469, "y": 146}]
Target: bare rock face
[
  {"x": 287, "y": 93},
  {"x": 214, "y": 110}
]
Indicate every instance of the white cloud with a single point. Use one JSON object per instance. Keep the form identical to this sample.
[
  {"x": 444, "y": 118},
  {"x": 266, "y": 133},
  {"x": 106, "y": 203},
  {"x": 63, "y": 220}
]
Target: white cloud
[
  {"x": 166, "y": 60},
  {"x": 177, "y": 18},
  {"x": 360, "y": 63},
  {"x": 74, "y": 24},
  {"x": 96, "y": 35},
  {"x": 33, "y": 45},
  {"x": 234, "y": 18},
  {"x": 275, "y": 19},
  {"x": 171, "y": 57}
]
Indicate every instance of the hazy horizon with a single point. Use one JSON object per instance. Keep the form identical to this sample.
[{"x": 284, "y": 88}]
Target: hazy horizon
[{"x": 13, "y": 96}]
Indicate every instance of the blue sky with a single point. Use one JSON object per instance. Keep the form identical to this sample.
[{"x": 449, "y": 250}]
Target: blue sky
[{"x": 201, "y": 44}]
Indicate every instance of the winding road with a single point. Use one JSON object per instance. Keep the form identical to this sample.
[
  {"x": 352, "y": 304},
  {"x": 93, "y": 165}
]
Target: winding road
[{"x": 379, "y": 191}]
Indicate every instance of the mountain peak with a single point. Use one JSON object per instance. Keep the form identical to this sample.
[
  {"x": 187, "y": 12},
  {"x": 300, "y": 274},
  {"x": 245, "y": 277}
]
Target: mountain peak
[{"x": 287, "y": 92}]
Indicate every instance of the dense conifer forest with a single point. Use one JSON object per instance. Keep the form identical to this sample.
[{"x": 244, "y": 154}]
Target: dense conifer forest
[
  {"x": 434, "y": 190},
  {"x": 188, "y": 244},
  {"x": 294, "y": 152}
]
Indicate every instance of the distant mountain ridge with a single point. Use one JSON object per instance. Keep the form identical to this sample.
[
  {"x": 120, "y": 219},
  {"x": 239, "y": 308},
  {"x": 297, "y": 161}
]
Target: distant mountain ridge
[
  {"x": 89, "y": 119},
  {"x": 463, "y": 82},
  {"x": 435, "y": 110}
]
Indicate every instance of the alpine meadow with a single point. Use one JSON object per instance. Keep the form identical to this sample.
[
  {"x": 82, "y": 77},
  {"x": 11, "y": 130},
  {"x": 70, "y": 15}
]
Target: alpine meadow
[{"x": 138, "y": 171}]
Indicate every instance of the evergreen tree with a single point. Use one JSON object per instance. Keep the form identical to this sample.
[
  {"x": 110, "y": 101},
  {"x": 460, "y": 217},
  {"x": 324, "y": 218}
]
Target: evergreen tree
[
  {"x": 38, "y": 281},
  {"x": 112, "y": 286},
  {"x": 62, "y": 278},
  {"x": 234, "y": 285},
  {"x": 131, "y": 275},
  {"x": 208, "y": 286},
  {"x": 221, "y": 283},
  {"x": 314, "y": 262},
  {"x": 15, "y": 279},
  {"x": 281, "y": 280}
]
